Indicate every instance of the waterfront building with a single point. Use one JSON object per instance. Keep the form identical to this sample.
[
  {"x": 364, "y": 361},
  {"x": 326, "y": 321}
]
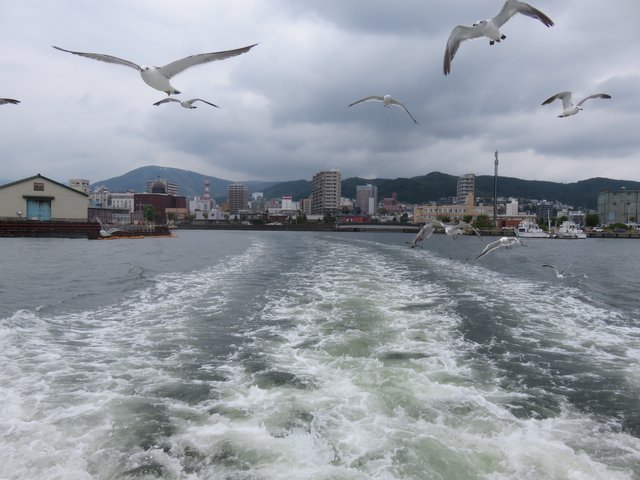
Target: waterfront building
[
  {"x": 326, "y": 192},
  {"x": 367, "y": 198},
  {"x": 43, "y": 199},
  {"x": 455, "y": 212},
  {"x": 237, "y": 197},
  {"x": 622, "y": 206},
  {"x": 160, "y": 203},
  {"x": 465, "y": 185}
]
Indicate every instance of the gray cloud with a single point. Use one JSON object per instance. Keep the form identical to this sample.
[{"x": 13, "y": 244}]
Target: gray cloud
[{"x": 284, "y": 104}]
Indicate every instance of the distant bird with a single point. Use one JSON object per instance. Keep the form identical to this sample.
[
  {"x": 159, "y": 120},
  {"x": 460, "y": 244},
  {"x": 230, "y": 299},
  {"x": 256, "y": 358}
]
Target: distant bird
[
  {"x": 489, "y": 28},
  {"x": 158, "y": 77},
  {"x": 425, "y": 232},
  {"x": 559, "y": 272},
  {"x": 570, "y": 108},
  {"x": 107, "y": 232},
  {"x": 8, "y": 100},
  {"x": 185, "y": 103},
  {"x": 506, "y": 242},
  {"x": 387, "y": 101}
]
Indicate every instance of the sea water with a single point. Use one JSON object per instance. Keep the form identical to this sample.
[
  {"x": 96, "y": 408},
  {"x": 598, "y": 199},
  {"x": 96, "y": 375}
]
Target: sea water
[{"x": 302, "y": 355}]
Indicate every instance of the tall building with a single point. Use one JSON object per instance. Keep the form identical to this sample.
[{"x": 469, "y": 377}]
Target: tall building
[
  {"x": 326, "y": 191},
  {"x": 367, "y": 198},
  {"x": 466, "y": 185},
  {"x": 237, "y": 197}
]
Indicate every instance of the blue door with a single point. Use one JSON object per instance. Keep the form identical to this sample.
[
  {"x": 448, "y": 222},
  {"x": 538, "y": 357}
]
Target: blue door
[{"x": 38, "y": 209}]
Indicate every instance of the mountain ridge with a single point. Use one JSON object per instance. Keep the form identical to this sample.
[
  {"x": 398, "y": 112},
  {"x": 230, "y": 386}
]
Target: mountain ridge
[{"x": 414, "y": 190}]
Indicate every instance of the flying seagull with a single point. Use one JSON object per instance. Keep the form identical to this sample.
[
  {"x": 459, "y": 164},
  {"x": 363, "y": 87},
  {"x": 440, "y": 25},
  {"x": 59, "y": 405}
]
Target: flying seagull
[
  {"x": 425, "y": 232},
  {"x": 570, "y": 108},
  {"x": 506, "y": 242},
  {"x": 559, "y": 272},
  {"x": 185, "y": 103},
  {"x": 489, "y": 28},
  {"x": 455, "y": 231},
  {"x": 158, "y": 77},
  {"x": 8, "y": 100},
  {"x": 387, "y": 101},
  {"x": 107, "y": 232}
]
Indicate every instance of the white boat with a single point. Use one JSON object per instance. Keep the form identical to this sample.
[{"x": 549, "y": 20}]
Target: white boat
[
  {"x": 528, "y": 229},
  {"x": 570, "y": 229}
]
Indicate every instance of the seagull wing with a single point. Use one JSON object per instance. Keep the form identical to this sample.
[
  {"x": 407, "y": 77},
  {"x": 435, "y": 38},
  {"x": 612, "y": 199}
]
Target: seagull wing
[
  {"x": 401, "y": 105},
  {"x": 103, "y": 58},
  {"x": 165, "y": 100},
  {"x": 173, "y": 68},
  {"x": 469, "y": 226},
  {"x": 490, "y": 248},
  {"x": 564, "y": 96},
  {"x": 595, "y": 95},
  {"x": 371, "y": 98},
  {"x": 458, "y": 35},
  {"x": 554, "y": 268},
  {"x": 203, "y": 101},
  {"x": 425, "y": 232},
  {"x": 8, "y": 100},
  {"x": 511, "y": 7}
]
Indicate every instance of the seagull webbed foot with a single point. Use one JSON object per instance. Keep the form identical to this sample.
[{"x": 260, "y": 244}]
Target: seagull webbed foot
[
  {"x": 491, "y": 42},
  {"x": 502, "y": 37}
]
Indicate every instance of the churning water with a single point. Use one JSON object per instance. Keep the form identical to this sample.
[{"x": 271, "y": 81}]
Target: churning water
[{"x": 278, "y": 355}]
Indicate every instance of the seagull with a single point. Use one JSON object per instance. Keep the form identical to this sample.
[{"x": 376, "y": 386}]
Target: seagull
[
  {"x": 185, "y": 103},
  {"x": 387, "y": 101},
  {"x": 570, "y": 108},
  {"x": 559, "y": 273},
  {"x": 506, "y": 242},
  {"x": 158, "y": 77},
  {"x": 489, "y": 28},
  {"x": 8, "y": 100},
  {"x": 107, "y": 232},
  {"x": 425, "y": 232},
  {"x": 455, "y": 231}
]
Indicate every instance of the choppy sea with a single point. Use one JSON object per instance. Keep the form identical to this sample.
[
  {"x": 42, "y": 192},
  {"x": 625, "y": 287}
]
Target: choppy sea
[{"x": 306, "y": 355}]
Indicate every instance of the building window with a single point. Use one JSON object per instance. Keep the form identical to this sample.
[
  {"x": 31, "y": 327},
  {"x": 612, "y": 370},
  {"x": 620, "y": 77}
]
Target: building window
[{"x": 38, "y": 187}]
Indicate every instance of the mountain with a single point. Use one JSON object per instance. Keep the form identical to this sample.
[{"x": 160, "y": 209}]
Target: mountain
[
  {"x": 415, "y": 190},
  {"x": 189, "y": 183}
]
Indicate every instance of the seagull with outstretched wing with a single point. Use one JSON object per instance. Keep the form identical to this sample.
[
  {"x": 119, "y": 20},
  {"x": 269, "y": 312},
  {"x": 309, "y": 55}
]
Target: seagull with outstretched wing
[
  {"x": 4, "y": 101},
  {"x": 489, "y": 28},
  {"x": 185, "y": 103},
  {"x": 568, "y": 107},
  {"x": 159, "y": 77},
  {"x": 387, "y": 101},
  {"x": 506, "y": 242}
]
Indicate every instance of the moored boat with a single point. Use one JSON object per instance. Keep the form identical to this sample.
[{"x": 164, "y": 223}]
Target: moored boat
[
  {"x": 570, "y": 229},
  {"x": 528, "y": 229}
]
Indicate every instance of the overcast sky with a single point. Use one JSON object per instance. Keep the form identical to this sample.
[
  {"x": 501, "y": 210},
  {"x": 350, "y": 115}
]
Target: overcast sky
[{"x": 284, "y": 113}]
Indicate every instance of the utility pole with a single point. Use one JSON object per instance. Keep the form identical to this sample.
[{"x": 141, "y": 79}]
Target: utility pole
[{"x": 495, "y": 192}]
